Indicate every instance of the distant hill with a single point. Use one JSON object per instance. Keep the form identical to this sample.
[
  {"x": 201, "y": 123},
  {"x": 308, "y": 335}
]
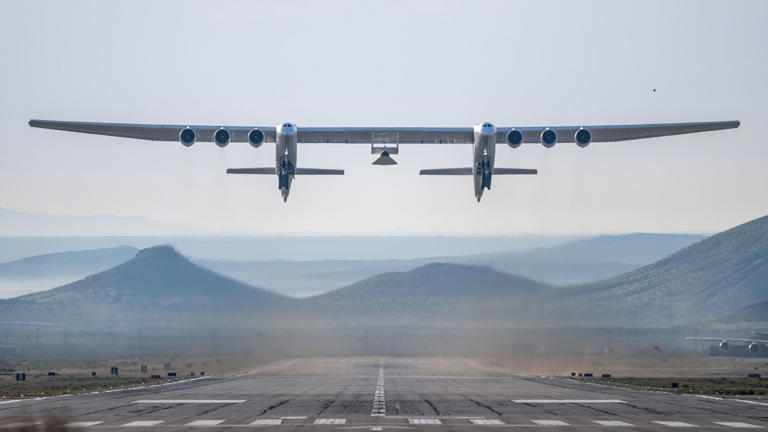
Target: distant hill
[
  {"x": 752, "y": 314},
  {"x": 434, "y": 293},
  {"x": 716, "y": 276},
  {"x": 578, "y": 261},
  {"x": 157, "y": 286},
  {"x": 72, "y": 264}
]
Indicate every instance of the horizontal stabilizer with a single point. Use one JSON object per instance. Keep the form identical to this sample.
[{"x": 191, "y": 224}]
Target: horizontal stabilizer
[
  {"x": 318, "y": 171},
  {"x": 502, "y": 171},
  {"x": 264, "y": 170},
  {"x": 468, "y": 171},
  {"x": 446, "y": 171}
]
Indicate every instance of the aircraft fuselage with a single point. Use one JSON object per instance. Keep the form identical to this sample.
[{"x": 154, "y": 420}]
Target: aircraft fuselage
[
  {"x": 286, "y": 138},
  {"x": 484, "y": 157}
]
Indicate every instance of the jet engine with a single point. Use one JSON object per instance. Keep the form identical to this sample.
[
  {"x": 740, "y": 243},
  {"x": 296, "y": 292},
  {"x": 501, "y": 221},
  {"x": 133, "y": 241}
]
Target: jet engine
[
  {"x": 582, "y": 137},
  {"x": 548, "y": 138},
  {"x": 222, "y": 137},
  {"x": 187, "y": 137},
  {"x": 753, "y": 347},
  {"x": 256, "y": 138},
  {"x": 514, "y": 138},
  {"x": 724, "y": 345}
]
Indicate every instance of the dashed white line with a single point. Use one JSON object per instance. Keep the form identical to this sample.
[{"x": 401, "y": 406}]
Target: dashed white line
[
  {"x": 486, "y": 422},
  {"x": 612, "y": 423},
  {"x": 204, "y": 423},
  {"x": 142, "y": 423},
  {"x": 264, "y": 422},
  {"x": 79, "y": 424},
  {"x": 330, "y": 421},
  {"x": 425, "y": 421},
  {"x": 379, "y": 407},
  {"x": 550, "y": 423},
  {"x": 190, "y": 401},
  {"x": 567, "y": 401},
  {"x": 739, "y": 425},
  {"x": 676, "y": 424}
]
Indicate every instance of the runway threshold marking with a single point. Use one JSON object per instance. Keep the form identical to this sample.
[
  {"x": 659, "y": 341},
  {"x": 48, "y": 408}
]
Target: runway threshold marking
[
  {"x": 738, "y": 425},
  {"x": 550, "y": 423},
  {"x": 379, "y": 407},
  {"x": 612, "y": 423},
  {"x": 142, "y": 423},
  {"x": 264, "y": 422},
  {"x": 676, "y": 424},
  {"x": 486, "y": 422},
  {"x": 423, "y": 421},
  {"x": 566, "y": 401},
  {"x": 330, "y": 421},
  {"x": 190, "y": 401},
  {"x": 78, "y": 424},
  {"x": 204, "y": 423}
]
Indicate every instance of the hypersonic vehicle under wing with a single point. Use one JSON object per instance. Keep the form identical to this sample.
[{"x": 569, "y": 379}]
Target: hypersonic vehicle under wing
[{"x": 385, "y": 141}]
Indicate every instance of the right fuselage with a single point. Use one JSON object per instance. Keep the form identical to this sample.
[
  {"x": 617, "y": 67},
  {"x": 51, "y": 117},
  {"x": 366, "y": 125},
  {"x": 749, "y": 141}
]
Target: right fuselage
[{"x": 484, "y": 149}]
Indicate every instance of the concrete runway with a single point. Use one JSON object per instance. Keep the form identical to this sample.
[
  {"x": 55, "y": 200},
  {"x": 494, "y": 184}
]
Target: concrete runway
[{"x": 388, "y": 394}]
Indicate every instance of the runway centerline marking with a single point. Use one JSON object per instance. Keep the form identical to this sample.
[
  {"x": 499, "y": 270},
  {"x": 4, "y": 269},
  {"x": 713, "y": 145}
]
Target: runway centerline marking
[
  {"x": 612, "y": 423},
  {"x": 550, "y": 423},
  {"x": 190, "y": 401},
  {"x": 676, "y": 424},
  {"x": 204, "y": 423},
  {"x": 379, "y": 407},
  {"x": 142, "y": 423},
  {"x": 738, "y": 425},
  {"x": 566, "y": 401}
]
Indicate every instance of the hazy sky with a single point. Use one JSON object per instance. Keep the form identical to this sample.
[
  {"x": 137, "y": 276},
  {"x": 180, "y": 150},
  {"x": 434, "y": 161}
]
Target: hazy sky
[{"x": 389, "y": 63}]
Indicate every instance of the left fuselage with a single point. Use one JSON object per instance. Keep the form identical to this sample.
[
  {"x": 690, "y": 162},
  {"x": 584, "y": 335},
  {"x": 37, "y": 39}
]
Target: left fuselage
[{"x": 286, "y": 137}]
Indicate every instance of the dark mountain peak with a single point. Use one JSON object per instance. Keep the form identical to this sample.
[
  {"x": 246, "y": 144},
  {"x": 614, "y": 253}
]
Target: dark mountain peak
[{"x": 161, "y": 252}]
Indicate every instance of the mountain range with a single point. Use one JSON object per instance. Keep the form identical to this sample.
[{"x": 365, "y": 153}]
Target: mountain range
[{"x": 721, "y": 275}]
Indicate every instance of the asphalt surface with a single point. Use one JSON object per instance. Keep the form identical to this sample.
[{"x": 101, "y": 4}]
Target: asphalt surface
[{"x": 386, "y": 394}]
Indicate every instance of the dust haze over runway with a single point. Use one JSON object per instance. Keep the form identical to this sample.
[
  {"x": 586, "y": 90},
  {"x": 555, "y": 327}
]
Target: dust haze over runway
[{"x": 387, "y": 393}]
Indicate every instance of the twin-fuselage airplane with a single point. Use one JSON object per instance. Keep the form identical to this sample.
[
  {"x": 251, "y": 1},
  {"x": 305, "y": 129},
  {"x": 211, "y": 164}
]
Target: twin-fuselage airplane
[{"x": 385, "y": 141}]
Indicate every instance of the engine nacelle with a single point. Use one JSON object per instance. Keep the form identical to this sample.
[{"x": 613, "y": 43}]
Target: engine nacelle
[
  {"x": 187, "y": 136},
  {"x": 222, "y": 137},
  {"x": 514, "y": 138},
  {"x": 256, "y": 138},
  {"x": 582, "y": 137},
  {"x": 724, "y": 345},
  {"x": 548, "y": 138},
  {"x": 753, "y": 347}
]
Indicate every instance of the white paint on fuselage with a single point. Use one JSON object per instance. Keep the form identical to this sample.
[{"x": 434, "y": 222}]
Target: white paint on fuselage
[
  {"x": 286, "y": 137},
  {"x": 483, "y": 149}
]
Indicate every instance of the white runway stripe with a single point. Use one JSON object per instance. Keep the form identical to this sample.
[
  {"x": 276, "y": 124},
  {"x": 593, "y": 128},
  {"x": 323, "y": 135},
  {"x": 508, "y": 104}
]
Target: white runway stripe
[
  {"x": 611, "y": 423},
  {"x": 264, "y": 422},
  {"x": 550, "y": 423},
  {"x": 486, "y": 422},
  {"x": 379, "y": 407},
  {"x": 430, "y": 421},
  {"x": 675, "y": 424},
  {"x": 190, "y": 401},
  {"x": 204, "y": 423},
  {"x": 330, "y": 421},
  {"x": 738, "y": 425},
  {"x": 566, "y": 401},
  {"x": 10, "y": 401},
  {"x": 142, "y": 423},
  {"x": 78, "y": 424}
]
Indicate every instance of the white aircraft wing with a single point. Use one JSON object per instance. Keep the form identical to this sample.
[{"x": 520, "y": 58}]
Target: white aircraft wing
[
  {"x": 727, "y": 339},
  {"x": 366, "y": 135},
  {"x": 609, "y": 133}
]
